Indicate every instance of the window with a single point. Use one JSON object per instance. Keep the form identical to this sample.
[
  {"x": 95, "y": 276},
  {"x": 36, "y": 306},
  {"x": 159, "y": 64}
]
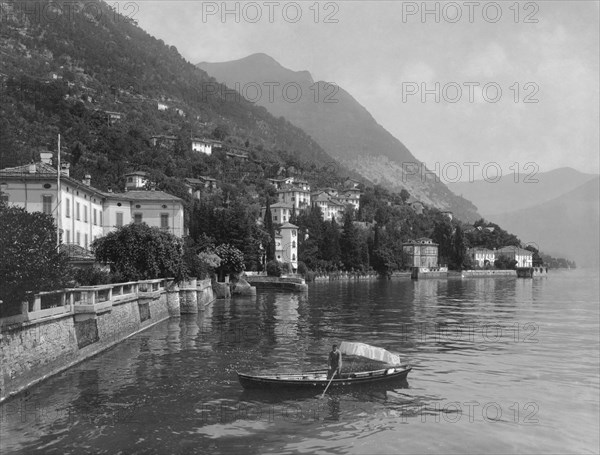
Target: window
[
  {"x": 119, "y": 219},
  {"x": 85, "y": 220},
  {"x": 86, "y": 241},
  {"x": 129, "y": 179},
  {"x": 78, "y": 238},
  {"x": 47, "y": 205},
  {"x": 137, "y": 218},
  {"x": 77, "y": 209},
  {"x": 164, "y": 221},
  {"x": 274, "y": 217},
  {"x": 68, "y": 208},
  {"x": 68, "y": 236},
  {"x": 94, "y": 217},
  {"x": 101, "y": 218}
]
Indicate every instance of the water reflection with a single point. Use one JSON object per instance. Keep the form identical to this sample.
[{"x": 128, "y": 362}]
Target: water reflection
[{"x": 173, "y": 387}]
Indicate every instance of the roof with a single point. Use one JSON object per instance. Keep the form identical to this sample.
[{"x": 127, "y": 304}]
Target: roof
[
  {"x": 288, "y": 226},
  {"x": 281, "y": 205},
  {"x": 143, "y": 196},
  {"x": 162, "y": 136},
  {"x": 291, "y": 189},
  {"x": 44, "y": 171},
  {"x": 141, "y": 173}
]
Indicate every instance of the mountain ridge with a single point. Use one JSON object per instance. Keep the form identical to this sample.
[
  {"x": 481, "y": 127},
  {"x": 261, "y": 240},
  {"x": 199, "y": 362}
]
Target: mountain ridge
[
  {"x": 343, "y": 127},
  {"x": 519, "y": 191},
  {"x": 566, "y": 225}
]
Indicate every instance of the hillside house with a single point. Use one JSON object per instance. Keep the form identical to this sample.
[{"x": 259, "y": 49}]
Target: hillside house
[
  {"x": 294, "y": 195},
  {"x": 195, "y": 186},
  {"x": 136, "y": 180},
  {"x": 330, "y": 207},
  {"x": 163, "y": 141},
  {"x": 280, "y": 212},
  {"x": 202, "y": 145}
]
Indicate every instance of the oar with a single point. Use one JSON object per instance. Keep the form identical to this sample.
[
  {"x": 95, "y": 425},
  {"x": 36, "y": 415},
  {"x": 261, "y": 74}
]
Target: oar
[{"x": 332, "y": 376}]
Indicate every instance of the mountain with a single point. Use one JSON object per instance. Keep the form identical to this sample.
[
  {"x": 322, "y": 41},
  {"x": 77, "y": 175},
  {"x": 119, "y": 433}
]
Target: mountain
[
  {"x": 567, "y": 226},
  {"x": 341, "y": 125},
  {"x": 97, "y": 78},
  {"x": 518, "y": 191}
]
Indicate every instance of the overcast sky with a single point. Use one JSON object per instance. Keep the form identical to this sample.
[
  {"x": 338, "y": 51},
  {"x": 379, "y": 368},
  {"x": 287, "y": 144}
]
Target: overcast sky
[{"x": 381, "y": 51}]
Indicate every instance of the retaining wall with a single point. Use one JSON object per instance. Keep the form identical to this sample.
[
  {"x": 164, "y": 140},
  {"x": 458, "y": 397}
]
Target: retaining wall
[{"x": 79, "y": 323}]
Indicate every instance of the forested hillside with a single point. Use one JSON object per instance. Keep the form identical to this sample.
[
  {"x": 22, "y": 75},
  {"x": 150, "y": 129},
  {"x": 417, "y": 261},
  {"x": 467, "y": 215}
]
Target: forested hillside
[{"x": 64, "y": 65}]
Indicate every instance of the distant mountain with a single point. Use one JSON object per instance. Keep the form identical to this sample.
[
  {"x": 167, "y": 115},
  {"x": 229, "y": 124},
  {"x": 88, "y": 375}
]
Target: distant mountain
[
  {"x": 513, "y": 192},
  {"x": 338, "y": 123},
  {"x": 566, "y": 226}
]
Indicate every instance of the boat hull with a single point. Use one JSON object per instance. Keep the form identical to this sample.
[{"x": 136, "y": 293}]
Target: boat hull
[{"x": 318, "y": 380}]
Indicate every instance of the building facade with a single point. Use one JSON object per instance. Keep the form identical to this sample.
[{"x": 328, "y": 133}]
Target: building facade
[
  {"x": 421, "y": 252},
  {"x": 286, "y": 245},
  {"x": 280, "y": 212},
  {"x": 83, "y": 213}
]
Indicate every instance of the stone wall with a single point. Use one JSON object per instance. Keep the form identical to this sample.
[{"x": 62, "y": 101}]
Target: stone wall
[
  {"x": 487, "y": 273},
  {"x": 42, "y": 343}
]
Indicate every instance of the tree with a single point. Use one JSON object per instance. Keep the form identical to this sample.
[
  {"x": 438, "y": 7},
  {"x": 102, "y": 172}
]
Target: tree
[
  {"x": 232, "y": 260},
  {"x": 505, "y": 263},
  {"x": 30, "y": 262},
  {"x": 459, "y": 250},
  {"x": 140, "y": 252},
  {"x": 442, "y": 235},
  {"x": 350, "y": 245},
  {"x": 221, "y": 132},
  {"x": 268, "y": 222}
]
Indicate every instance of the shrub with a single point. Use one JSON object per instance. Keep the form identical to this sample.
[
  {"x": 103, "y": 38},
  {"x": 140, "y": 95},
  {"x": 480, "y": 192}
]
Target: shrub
[
  {"x": 30, "y": 260},
  {"x": 274, "y": 268},
  {"x": 140, "y": 252},
  {"x": 302, "y": 269},
  {"x": 92, "y": 276}
]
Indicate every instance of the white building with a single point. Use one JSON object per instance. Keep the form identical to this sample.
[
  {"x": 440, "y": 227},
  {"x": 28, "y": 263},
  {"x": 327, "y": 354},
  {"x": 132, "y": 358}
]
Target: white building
[
  {"x": 136, "y": 180},
  {"x": 280, "y": 212},
  {"x": 296, "y": 196},
  {"x": 330, "y": 207},
  {"x": 202, "y": 145},
  {"x": 286, "y": 245},
  {"x": 83, "y": 213}
]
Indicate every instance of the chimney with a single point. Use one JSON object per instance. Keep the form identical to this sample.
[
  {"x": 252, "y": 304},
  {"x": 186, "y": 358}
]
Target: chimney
[
  {"x": 87, "y": 180},
  {"x": 65, "y": 169},
  {"x": 32, "y": 168},
  {"x": 46, "y": 158}
]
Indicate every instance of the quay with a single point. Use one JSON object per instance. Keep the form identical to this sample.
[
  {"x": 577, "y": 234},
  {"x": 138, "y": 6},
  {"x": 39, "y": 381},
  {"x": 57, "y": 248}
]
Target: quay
[
  {"x": 62, "y": 328},
  {"x": 285, "y": 283}
]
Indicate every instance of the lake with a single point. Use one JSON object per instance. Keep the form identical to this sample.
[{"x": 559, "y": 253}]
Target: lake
[{"x": 500, "y": 365}]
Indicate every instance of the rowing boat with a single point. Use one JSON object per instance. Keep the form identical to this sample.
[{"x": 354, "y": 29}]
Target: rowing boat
[
  {"x": 393, "y": 370},
  {"x": 318, "y": 379}
]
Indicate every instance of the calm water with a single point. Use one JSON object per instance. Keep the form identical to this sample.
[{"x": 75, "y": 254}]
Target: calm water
[{"x": 500, "y": 366}]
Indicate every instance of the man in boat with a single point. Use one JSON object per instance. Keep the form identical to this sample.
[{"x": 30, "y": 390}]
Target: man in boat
[{"x": 334, "y": 363}]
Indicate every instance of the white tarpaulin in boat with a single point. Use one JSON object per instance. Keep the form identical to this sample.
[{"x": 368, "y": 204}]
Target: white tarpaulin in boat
[{"x": 370, "y": 352}]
